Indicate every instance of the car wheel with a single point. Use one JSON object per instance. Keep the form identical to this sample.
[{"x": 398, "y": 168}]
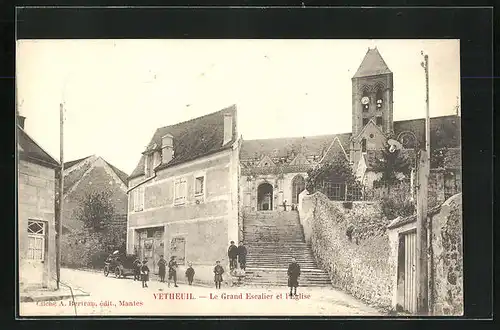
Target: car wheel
[
  {"x": 106, "y": 271},
  {"x": 118, "y": 272}
]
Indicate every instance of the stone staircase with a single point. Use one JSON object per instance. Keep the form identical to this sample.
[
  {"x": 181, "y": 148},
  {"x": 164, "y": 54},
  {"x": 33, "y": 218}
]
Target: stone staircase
[{"x": 272, "y": 238}]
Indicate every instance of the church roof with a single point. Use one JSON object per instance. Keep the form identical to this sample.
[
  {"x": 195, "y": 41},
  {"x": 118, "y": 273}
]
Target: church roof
[
  {"x": 283, "y": 147},
  {"x": 193, "y": 138},
  {"x": 373, "y": 64},
  {"x": 445, "y": 131}
]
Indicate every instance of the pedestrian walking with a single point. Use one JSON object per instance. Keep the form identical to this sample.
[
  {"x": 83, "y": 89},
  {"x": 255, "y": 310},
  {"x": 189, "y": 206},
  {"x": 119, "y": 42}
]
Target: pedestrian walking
[
  {"x": 293, "y": 276},
  {"x": 242, "y": 255},
  {"x": 172, "y": 271},
  {"x": 137, "y": 269},
  {"x": 190, "y": 273},
  {"x": 232, "y": 253},
  {"x": 145, "y": 274},
  {"x": 284, "y": 205},
  {"x": 162, "y": 264},
  {"x": 218, "y": 271}
]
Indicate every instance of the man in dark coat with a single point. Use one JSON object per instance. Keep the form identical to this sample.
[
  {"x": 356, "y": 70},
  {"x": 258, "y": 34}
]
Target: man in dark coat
[
  {"x": 242, "y": 255},
  {"x": 232, "y": 253},
  {"x": 137, "y": 269},
  {"x": 218, "y": 271},
  {"x": 293, "y": 276},
  {"x": 162, "y": 264},
  {"x": 172, "y": 271},
  {"x": 145, "y": 274}
]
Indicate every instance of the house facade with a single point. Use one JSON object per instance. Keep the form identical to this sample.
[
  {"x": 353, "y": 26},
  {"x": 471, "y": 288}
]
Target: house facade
[
  {"x": 183, "y": 194},
  {"x": 274, "y": 170},
  {"x": 93, "y": 174},
  {"x": 36, "y": 176}
]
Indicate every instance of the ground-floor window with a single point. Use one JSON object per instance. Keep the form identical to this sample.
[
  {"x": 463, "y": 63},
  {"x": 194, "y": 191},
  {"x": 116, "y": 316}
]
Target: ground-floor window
[{"x": 36, "y": 240}]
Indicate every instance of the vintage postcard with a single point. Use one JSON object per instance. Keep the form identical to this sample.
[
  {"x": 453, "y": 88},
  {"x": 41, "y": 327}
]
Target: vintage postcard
[{"x": 239, "y": 178}]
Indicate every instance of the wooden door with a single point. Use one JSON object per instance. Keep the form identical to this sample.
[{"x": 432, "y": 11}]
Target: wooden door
[{"x": 410, "y": 287}]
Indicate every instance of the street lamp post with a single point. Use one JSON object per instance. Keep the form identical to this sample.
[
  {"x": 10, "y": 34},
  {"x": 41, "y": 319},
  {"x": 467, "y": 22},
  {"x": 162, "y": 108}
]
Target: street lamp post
[{"x": 423, "y": 179}]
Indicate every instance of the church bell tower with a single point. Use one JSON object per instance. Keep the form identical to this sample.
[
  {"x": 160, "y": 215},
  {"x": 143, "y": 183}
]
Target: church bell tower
[{"x": 372, "y": 94}]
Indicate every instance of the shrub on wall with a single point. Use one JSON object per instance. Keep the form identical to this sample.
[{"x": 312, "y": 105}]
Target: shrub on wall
[
  {"x": 338, "y": 170},
  {"x": 390, "y": 164},
  {"x": 397, "y": 202}
]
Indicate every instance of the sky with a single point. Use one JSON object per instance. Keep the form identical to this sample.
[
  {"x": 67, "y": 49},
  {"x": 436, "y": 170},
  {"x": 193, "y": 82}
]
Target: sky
[{"x": 117, "y": 92}]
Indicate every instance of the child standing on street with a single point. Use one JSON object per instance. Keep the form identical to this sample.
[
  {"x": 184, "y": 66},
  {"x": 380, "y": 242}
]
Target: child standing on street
[
  {"x": 218, "y": 271},
  {"x": 144, "y": 274},
  {"x": 190, "y": 273}
]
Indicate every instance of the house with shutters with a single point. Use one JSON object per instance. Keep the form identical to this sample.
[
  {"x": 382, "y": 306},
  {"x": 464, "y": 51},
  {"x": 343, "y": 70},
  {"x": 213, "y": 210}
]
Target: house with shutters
[
  {"x": 37, "y": 172},
  {"x": 183, "y": 194}
]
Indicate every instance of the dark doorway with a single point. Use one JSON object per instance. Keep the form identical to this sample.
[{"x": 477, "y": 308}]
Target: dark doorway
[
  {"x": 298, "y": 186},
  {"x": 265, "y": 197}
]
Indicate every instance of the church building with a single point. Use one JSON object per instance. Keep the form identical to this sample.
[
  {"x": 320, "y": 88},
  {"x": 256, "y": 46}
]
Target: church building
[{"x": 274, "y": 171}]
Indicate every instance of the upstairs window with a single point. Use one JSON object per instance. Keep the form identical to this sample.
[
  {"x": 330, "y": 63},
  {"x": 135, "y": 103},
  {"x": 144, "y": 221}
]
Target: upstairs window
[
  {"x": 363, "y": 145},
  {"x": 138, "y": 195},
  {"x": 199, "y": 186},
  {"x": 180, "y": 191},
  {"x": 365, "y": 121},
  {"x": 379, "y": 121}
]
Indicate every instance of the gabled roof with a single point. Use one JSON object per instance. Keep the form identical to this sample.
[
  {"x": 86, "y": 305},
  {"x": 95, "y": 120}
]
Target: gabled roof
[
  {"x": 445, "y": 130},
  {"x": 193, "y": 138},
  {"x": 373, "y": 64},
  {"x": 372, "y": 123},
  {"x": 75, "y": 162},
  {"x": 28, "y": 148},
  {"x": 266, "y": 161},
  {"x": 335, "y": 150},
  {"x": 122, "y": 175},
  {"x": 284, "y": 147},
  {"x": 71, "y": 178}
]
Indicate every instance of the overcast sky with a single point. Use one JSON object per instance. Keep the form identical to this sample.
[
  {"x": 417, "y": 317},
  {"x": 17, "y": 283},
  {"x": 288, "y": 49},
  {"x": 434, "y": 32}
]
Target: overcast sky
[{"x": 117, "y": 92}]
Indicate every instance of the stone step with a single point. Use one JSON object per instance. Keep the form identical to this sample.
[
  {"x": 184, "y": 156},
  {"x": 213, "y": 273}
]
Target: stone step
[
  {"x": 278, "y": 276},
  {"x": 269, "y": 258}
]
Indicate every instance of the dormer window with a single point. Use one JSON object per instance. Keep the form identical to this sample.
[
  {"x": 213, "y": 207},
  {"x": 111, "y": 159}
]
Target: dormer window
[{"x": 148, "y": 165}]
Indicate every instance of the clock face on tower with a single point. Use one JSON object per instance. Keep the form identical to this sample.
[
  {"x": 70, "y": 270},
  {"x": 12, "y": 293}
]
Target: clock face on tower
[{"x": 365, "y": 100}]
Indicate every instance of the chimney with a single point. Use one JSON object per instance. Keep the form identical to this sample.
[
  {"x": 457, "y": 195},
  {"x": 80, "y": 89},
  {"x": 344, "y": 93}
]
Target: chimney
[
  {"x": 228, "y": 128},
  {"x": 167, "y": 148},
  {"x": 20, "y": 120}
]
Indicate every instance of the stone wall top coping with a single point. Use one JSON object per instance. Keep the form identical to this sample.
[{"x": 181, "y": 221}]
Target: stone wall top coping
[{"x": 400, "y": 221}]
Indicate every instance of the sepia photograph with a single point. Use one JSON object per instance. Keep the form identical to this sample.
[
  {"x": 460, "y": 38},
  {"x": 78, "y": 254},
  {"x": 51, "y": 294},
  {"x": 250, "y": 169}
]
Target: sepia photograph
[{"x": 239, "y": 177}]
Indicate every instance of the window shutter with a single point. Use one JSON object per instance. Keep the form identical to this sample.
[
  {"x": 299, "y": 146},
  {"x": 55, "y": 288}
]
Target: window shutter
[
  {"x": 184, "y": 189},
  {"x": 132, "y": 201},
  {"x": 142, "y": 197}
]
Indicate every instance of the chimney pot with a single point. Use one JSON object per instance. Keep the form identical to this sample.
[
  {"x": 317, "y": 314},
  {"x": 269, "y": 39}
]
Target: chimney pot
[
  {"x": 167, "y": 148},
  {"x": 228, "y": 128},
  {"x": 20, "y": 121}
]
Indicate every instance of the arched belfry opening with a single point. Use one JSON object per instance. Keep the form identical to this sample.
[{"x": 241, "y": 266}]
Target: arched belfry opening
[{"x": 265, "y": 197}]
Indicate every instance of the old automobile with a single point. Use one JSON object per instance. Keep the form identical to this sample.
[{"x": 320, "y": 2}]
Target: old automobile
[{"x": 120, "y": 264}]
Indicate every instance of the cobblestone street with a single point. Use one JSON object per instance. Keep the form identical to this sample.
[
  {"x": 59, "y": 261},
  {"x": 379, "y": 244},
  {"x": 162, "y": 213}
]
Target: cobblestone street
[{"x": 111, "y": 296}]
